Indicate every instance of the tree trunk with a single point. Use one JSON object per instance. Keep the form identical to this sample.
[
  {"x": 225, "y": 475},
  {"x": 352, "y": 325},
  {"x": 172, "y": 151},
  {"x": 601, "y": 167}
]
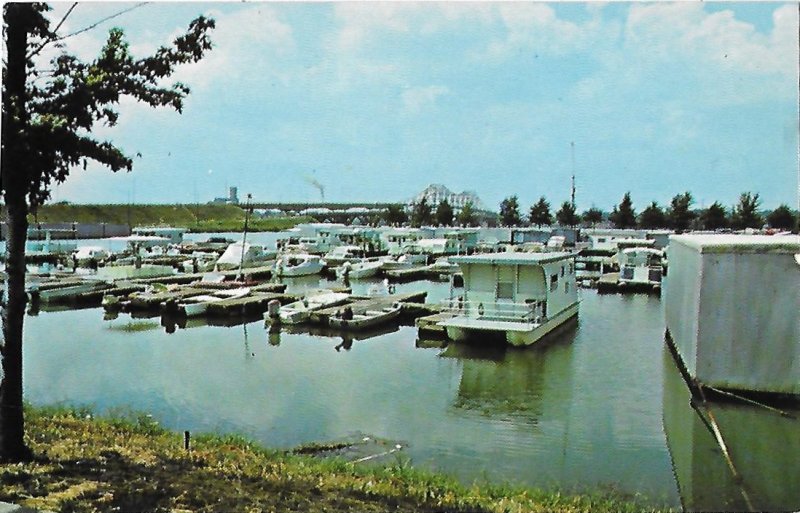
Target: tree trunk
[{"x": 14, "y": 187}]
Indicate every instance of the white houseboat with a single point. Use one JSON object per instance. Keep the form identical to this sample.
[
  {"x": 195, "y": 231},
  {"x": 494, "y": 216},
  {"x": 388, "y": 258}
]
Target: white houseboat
[
  {"x": 640, "y": 267},
  {"x": 522, "y": 296},
  {"x": 732, "y": 308}
]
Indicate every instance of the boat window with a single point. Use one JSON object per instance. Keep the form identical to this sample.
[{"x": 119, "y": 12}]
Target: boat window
[
  {"x": 562, "y": 271},
  {"x": 553, "y": 282},
  {"x": 566, "y": 287},
  {"x": 505, "y": 290}
]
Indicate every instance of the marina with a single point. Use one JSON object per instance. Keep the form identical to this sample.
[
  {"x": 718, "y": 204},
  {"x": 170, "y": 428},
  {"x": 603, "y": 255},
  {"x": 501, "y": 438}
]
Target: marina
[{"x": 538, "y": 402}]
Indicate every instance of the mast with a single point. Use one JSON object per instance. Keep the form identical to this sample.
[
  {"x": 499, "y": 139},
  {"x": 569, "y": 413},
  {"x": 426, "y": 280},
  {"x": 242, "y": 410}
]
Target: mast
[
  {"x": 572, "y": 144},
  {"x": 240, "y": 276}
]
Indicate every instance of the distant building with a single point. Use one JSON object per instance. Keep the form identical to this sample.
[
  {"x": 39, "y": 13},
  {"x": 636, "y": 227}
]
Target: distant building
[
  {"x": 232, "y": 199},
  {"x": 436, "y": 193}
]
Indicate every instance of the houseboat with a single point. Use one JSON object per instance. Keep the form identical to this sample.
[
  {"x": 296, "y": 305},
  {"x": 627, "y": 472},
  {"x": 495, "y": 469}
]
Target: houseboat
[
  {"x": 732, "y": 309},
  {"x": 640, "y": 267},
  {"x": 520, "y": 296}
]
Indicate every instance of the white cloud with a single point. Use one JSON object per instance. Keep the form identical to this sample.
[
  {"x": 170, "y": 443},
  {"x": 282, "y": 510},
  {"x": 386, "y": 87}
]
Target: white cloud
[{"x": 418, "y": 98}]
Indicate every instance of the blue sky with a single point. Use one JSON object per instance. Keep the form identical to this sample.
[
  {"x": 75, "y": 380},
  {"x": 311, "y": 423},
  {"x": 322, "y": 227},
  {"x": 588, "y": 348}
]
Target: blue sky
[{"x": 376, "y": 100}]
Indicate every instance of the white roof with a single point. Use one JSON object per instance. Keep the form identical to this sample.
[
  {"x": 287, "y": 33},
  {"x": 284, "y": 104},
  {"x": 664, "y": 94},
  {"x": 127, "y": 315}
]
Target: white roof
[
  {"x": 512, "y": 258},
  {"x": 738, "y": 243}
]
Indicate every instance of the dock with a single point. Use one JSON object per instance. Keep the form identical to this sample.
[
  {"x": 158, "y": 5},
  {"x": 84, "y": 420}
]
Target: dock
[
  {"x": 428, "y": 326},
  {"x": 252, "y": 304}
]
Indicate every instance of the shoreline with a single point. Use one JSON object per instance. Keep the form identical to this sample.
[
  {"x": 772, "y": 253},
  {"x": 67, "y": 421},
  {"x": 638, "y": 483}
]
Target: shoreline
[{"x": 85, "y": 462}]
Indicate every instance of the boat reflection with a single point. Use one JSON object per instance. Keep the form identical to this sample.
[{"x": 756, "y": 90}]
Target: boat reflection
[
  {"x": 764, "y": 450},
  {"x": 511, "y": 383},
  {"x": 347, "y": 338}
]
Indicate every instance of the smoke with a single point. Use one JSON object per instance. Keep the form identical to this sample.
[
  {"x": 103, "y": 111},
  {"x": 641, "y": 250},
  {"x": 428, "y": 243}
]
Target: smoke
[{"x": 314, "y": 183}]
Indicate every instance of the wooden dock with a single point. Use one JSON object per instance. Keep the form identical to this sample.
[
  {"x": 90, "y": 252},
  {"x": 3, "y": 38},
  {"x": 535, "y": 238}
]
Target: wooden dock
[
  {"x": 428, "y": 326},
  {"x": 252, "y": 304}
]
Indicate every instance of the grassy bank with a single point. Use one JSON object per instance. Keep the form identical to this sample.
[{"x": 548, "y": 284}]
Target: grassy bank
[
  {"x": 197, "y": 218},
  {"x": 132, "y": 465}
]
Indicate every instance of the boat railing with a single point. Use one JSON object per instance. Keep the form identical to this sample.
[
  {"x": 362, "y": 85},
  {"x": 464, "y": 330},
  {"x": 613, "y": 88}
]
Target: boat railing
[{"x": 495, "y": 310}]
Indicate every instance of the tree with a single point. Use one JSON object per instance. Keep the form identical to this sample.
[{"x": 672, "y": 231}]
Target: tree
[
  {"x": 652, "y": 217},
  {"x": 745, "y": 213},
  {"x": 395, "y": 214},
  {"x": 540, "y": 213},
  {"x": 467, "y": 215},
  {"x": 592, "y": 216},
  {"x": 679, "y": 215},
  {"x": 421, "y": 214},
  {"x": 623, "y": 215},
  {"x": 444, "y": 213},
  {"x": 782, "y": 218},
  {"x": 566, "y": 215},
  {"x": 46, "y": 128},
  {"x": 714, "y": 217},
  {"x": 509, "y": 212}
]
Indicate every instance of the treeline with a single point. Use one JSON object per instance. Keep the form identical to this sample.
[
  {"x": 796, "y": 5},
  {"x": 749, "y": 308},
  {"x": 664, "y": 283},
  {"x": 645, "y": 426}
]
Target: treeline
[{"x": 679, "y": 215}]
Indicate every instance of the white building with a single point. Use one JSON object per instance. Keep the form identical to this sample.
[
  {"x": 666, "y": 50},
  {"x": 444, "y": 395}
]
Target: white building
[{"x": 436, "y": 193}]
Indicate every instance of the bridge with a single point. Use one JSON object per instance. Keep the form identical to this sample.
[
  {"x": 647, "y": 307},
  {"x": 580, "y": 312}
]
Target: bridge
[{"x": 297, "y": 207}]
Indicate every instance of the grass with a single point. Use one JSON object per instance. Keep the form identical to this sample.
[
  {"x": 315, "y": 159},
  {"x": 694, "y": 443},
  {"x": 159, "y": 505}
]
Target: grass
[
  {"x": 197, "y": 218},
  {"x": 129, "y": 463}
]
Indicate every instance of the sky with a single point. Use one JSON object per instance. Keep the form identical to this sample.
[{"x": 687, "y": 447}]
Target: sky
[{"x": 374, "y": 101}]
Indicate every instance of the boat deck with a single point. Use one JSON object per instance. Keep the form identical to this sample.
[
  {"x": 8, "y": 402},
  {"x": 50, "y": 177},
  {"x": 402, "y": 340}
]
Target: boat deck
[{"x": 472, "y": 323}]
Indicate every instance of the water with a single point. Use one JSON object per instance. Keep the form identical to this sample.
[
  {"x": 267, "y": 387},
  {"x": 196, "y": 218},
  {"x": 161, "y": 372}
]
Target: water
[{"x": 599, "y": 406}]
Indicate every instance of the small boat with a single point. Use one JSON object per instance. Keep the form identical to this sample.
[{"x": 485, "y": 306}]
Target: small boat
[
  {"x": 87, "y": 254},
  {"x": 404, "y": 261},
  {"x": 197, "y": 305},
  {"x": 298, "y": 264},
  {"x": 297, "y": 312},
  {"x": 364, "y": 320},
  {"x": 253, "y": 256},
  {"x": 341, "y": 254},
  {"x": 363, "y": 269}
]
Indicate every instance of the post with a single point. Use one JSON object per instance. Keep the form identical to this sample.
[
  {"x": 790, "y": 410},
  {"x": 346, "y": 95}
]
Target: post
[
  {"x": 186, "y": 436},
  {"x": 244, "y": 236}
]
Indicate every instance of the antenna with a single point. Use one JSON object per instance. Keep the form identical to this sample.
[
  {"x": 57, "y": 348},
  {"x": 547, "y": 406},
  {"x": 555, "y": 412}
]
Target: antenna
[{"x": 572, "y": 144}]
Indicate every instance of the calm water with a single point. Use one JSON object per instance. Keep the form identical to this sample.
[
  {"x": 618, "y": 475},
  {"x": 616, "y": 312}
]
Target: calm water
[{"x": 601, "y": 405}]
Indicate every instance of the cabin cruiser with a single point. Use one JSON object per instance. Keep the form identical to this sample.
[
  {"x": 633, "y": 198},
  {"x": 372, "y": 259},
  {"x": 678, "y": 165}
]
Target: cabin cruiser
[{"x": 254, "y": 256}]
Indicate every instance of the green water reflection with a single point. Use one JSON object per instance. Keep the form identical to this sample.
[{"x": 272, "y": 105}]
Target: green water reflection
[{"x": 583, "y": 411}]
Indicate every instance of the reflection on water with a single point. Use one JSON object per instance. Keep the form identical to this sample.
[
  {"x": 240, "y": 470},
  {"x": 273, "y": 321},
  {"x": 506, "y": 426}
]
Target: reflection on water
[
  {"x": 581, "y": 411},
  {"x": 764, "y": 448},
  {"x": 504, "y": 383}
]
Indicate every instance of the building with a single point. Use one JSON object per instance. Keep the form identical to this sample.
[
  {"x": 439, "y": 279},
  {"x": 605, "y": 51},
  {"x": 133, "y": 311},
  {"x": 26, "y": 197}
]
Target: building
[
  {"x": 232, "y": 199},
  {"x": 436, "y": 193}
]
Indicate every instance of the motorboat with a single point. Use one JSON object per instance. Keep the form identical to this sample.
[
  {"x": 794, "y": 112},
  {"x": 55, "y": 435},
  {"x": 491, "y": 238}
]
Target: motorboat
[
  {"x": 298, "y": 311},
  {"x": 298, "y": 264},
  {"x": 347, "y": 320},
  {"x": 251, "y": 256},
  {"x": 363, "y": 269}
]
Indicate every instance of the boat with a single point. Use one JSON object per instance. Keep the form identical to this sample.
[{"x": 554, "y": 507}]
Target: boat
[
  {"x": 252, "y": 256},
  {"x": 640, "y": 267},
  {"x": 298, "y": 311},
  {"x": 197, "y": 305},
  {"x": 341, "y": 254},
  {"x": 366, "y": 268},
  {"x": 412, "y": 256},
  {"x": 363, "y": 320},
  {"x": 88, "y": 254},
  {"x": 298, "y": 264},
  {"x": 521, "y": 297}
]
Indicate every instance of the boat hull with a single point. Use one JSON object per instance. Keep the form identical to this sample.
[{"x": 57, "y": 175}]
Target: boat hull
[
  {"x": 363, "y": 322},
  {"x": 516, "y": 333}
]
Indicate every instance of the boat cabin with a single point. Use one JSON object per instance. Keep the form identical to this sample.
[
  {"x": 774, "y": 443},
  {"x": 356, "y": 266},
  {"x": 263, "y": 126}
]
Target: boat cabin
[
  {"x": 731, "y": 305},
  {"x": 525, "y": 295}
]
